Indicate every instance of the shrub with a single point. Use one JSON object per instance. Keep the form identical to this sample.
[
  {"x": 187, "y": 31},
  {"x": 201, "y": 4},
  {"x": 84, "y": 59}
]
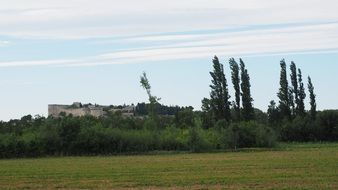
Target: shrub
[
  {"x": 265, "y": 136},
  {"x": 169, "y": 139},
  {"x": 328, "y": 123},
  {"x": 150, "y": 124},
  {"x": 196, "y": 141},
  {"x": 221, "y": 124},
  {"x": 249, "y": 134}
]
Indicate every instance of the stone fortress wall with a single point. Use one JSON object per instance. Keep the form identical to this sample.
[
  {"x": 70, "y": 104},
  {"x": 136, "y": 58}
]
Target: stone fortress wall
[{"x": 78, "y": 110}]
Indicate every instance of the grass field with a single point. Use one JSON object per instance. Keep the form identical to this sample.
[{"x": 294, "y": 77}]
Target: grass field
[{"x": 293, "y": 166}]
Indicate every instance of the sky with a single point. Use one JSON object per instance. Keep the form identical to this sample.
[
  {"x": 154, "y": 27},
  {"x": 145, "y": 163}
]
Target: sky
[{"x": 59, "y": 52}]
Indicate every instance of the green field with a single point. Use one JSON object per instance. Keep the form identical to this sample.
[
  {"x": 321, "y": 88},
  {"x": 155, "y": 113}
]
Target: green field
[{"x": 297, "y": 166}]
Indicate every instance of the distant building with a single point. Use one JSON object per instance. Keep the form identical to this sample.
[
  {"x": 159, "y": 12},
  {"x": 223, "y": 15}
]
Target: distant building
[{"x": 77, "y": 109}]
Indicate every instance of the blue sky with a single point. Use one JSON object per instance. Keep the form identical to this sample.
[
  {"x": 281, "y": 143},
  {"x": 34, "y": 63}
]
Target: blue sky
[{"x": 94, "y": 51}]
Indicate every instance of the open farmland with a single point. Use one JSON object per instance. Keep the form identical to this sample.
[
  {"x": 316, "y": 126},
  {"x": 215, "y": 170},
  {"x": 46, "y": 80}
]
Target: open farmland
[{"x": 297, "y": 166}]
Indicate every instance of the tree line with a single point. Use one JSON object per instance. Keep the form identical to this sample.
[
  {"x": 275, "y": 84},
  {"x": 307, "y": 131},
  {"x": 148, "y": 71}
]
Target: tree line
[
  {"x": 289, "y": 119},
  {"x": 291, "y": 98},
  {"x": 223, "y": 122}
]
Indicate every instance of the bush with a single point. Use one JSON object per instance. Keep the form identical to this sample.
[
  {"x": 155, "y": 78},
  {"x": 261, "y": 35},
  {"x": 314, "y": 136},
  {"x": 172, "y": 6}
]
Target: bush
[
  {"x": 170, "y": 139},
  {"x": 249, "y": 134},
  {"x": 149, "y": 124},
  {"x": 215, "y": 138},
  {"x": 221, "y": 124},
  {"x": 328, "y": 123},
  {"x": 31, "y": 144},
  {"x": 196, "y": 140},
  {"x": 265, "y": 136},
  {"x": 302, "y": 129},
  {"x": 293, "y": 130}
]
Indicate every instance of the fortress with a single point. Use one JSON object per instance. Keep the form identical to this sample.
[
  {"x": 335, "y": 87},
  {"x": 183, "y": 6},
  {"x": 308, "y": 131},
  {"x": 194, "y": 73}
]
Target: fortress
[{"x": 77, "y": 109}]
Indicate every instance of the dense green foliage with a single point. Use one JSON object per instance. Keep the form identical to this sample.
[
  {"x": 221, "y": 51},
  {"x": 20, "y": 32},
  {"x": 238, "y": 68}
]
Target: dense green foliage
[
  {"x": 300, "y": 125},
  {"x": 323, "y": 128},
  {"x": 141, "y": 109},
  {"x": 115, "y": 134}
]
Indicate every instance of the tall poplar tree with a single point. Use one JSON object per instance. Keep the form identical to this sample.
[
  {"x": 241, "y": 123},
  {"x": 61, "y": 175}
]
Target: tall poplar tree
[
  {"x": 292, "y": 103},
  {"x": 236, "y": 83},
  {"x": 313, "y": 104},
  {"x": 219, "y": 95},
  {"x": 153, "y": 100},
  {"x": 283, "y": 94},
  {"x": 301, "y": 94},
  {"x": 248, "y": 110},
  {"x": 294, "y": 100}
]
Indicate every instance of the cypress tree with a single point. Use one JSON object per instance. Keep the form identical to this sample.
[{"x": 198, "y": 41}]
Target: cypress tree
[
  {"x": 294, "y": 100},
  {"x": 301, "y": 95},
  {"x": 248, "y": 110},
  {"x": 219, "y": 95},
  {"x": 313, "y": 104},
  {"x": 236, "y": 83},
  {"x": 283, "y": 94}
]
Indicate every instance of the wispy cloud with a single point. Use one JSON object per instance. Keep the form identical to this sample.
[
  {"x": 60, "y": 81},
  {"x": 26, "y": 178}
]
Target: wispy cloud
[
  {"x": 20, "y": 83},
  {"x": 252, "y": 42},
  {"x": 105, "y": 18},
  {"x": 168, "y": 30},
  {"x": 4, "y": 43}
]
